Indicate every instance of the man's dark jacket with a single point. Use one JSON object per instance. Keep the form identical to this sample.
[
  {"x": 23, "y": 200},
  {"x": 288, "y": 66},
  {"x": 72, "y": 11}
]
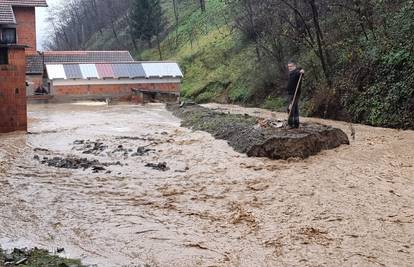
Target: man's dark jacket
[{"x": 293, "y": 81}]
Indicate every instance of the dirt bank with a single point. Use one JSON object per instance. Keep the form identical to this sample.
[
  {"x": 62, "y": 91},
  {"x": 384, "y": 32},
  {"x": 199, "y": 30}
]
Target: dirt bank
[
  {"x": 247, "y": 134},
  {"x": 348, "y": 206}
]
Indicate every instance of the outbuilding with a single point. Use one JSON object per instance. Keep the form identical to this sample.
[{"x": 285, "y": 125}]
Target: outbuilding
[
  {"x": 69, "y": 81},
  {"x": 82, "y": 75}
]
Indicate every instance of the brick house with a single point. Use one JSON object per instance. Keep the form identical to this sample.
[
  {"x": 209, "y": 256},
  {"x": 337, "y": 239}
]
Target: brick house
[
  {"x": 17, "y": 39},
  {"x": 68, "y": 75}
]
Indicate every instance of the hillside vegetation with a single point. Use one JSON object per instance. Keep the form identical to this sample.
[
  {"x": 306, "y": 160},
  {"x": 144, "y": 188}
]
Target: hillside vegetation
[{"x": 358, "y": 54}]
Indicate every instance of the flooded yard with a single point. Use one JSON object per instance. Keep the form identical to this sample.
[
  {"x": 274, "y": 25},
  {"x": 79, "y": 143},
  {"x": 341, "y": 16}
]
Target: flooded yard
[{"x": 125, "y": 185}]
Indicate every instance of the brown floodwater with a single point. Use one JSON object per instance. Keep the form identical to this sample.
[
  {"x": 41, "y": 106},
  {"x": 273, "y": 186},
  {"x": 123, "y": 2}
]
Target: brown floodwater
[{"x": 351, "y": 206}]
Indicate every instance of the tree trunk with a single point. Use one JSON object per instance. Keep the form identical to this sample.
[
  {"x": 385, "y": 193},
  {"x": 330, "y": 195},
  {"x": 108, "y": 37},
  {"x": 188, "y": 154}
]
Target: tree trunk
[
  {"x": 176, "y": 22},
  {"x": 203, "y": 5},
  {"x": 322, "y": 53},
  {"x": 175, "y": 11},
  {"x": 159, "y": 46}
]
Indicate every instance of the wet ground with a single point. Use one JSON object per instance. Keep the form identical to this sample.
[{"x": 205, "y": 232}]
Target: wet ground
[{"x": 166, "y": 196}]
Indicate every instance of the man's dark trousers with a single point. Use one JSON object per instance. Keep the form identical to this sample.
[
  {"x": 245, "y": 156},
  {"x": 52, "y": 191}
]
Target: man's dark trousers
[{"x": 293, "y": 120}]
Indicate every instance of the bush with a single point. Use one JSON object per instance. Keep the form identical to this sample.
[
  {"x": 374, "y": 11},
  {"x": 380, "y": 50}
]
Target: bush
[
  {"x": 389, "y": 100},
  {"x": 275, "y": 104}
]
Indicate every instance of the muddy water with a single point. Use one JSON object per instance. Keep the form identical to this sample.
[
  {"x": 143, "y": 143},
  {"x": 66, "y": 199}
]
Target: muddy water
[{"x": 352, "y": 206}]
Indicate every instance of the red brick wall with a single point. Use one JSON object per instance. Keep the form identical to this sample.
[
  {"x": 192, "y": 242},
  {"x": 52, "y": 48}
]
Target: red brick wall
[
  {"x": 163, "y": 87},
  {"x": 113, "y": 90},
  {"x": 13, "y": 107},
  {"x": 26, "y": 27}
]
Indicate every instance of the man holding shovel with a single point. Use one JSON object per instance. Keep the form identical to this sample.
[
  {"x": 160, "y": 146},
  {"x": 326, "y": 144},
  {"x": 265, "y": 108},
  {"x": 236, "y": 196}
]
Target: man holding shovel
[{"x": 294, "y": 90}]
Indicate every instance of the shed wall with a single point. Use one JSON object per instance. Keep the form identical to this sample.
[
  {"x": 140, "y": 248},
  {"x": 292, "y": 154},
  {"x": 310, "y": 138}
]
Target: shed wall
[{"x": 115, "y": 91}]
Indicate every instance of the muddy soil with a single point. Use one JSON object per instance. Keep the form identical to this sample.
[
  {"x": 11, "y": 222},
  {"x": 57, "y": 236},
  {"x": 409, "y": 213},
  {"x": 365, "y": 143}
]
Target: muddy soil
[
  {"x": 349, "y": 206},
  {"x": 261, "y": 138}
]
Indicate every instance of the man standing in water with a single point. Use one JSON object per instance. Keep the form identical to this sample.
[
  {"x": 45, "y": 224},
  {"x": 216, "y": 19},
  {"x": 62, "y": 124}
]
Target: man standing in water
[{"x": 295, "y": 75}]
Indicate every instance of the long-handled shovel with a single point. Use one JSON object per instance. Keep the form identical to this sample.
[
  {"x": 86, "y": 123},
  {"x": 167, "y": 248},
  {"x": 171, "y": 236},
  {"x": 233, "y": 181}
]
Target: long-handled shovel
[
  {"x": 294, "y": 97},
  {"x": 284, "y": 124}
]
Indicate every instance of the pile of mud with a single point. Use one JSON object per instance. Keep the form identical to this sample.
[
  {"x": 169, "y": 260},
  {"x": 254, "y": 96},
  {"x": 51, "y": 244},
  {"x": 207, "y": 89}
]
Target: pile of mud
[
  {"x": 246, "y": 135},
  {"x": 35, "y": 257}
]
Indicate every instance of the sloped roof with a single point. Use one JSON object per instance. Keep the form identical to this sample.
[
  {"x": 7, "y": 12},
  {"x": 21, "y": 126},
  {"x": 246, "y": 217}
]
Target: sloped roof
[
  {"x": 6, "y": 14},
  {"x": 87, "y": 56},
  {"x": 6, "y": 8},
  {"x": 166, "y": 69},
  {"x": 28, "y": 3},
  {"x": 35, "y": 62},
  {"x": 126, "y": 70}
]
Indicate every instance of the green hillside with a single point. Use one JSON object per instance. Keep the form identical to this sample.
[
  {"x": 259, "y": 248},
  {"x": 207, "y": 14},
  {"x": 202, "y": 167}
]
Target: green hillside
[
  {"x": 359, "y": 58},
  {"x": 215, "y": 61}
]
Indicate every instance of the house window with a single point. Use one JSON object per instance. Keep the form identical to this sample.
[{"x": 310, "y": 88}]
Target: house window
[
  {"x": 8, "y": 36},
  {"x": 4, "y": 56}
]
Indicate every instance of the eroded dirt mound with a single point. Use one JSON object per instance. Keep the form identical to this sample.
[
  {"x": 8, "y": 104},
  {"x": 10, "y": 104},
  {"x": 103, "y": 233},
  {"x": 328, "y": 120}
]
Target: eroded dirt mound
[{"x": 246, "y": 134}]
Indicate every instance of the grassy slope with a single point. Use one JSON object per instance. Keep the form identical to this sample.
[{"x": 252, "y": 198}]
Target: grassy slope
[{"x": 214, "y": 60}]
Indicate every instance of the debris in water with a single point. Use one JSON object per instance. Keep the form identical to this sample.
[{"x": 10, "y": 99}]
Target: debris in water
[
  {"x": 76, "y": 163},
  {"x": 90, "y": 147},
  {"x": 160, "y": 166},
  {"x": 37, "y": 149},
  {"x": 185, "y": 170},
  {"x": 142, "y": 151},
  {"x": 135, "y": 138},
  {"x": 98, "y": 148}
]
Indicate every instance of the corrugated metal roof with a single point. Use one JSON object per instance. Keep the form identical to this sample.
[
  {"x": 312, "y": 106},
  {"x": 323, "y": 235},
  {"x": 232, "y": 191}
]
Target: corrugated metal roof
[
  {"x": 89, "y": 71},
  {"x": 105, "y": 71},
  {"x": 162, "y": 69},
  {"x": 55, "y": 72},
  {"x": 114, "y": 71},
  {"x": 136, "y": 71},
  {"x": 73, "y": 71},
  {"x": 87, "y": 56},
  {"x": 78, "y": 57},
  {"x": 120, "y": 70},
  {"x": 6, "y": 14}
]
